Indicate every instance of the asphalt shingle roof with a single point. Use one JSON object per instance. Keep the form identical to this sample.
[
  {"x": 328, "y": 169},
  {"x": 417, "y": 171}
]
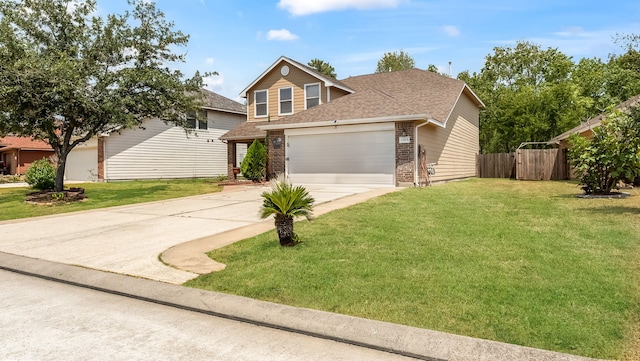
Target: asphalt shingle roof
[
  {"x": 398, "y": 93},
  {"x": 24, "y": 143},
  {"x": 218, "y": 102},
  {"x": 595, "y": 121}
]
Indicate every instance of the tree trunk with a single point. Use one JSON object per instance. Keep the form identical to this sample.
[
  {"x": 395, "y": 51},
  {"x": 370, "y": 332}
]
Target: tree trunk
[
  {"x": 284, "y": 226},
  {"x": 60, "y": 167}
]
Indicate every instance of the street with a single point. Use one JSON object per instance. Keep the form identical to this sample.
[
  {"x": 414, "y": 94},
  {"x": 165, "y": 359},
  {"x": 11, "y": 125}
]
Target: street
[{"x": 46, "y": 320}]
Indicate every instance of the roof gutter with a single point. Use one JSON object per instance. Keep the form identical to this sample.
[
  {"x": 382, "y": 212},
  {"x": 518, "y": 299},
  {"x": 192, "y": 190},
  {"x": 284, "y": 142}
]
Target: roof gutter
[{"x": 327, "y": 123}]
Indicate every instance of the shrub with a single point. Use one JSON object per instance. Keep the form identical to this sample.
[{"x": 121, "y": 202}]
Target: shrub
[
  {"x": 254, "y": 164},
  {"x": 41, "y": 175},
  {"x": 611, "y": 156}
]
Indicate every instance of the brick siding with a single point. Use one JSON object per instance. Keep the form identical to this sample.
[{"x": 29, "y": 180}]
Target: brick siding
[
  {"x": 405, "y": 161},
  {"x": 276, "y": 161}
]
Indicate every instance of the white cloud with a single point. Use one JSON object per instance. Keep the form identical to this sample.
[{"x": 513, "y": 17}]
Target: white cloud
[
  {"x": 306, "y": 7},
  {"x": 213, "y": 82},
  {"x": 451, "y": 31},
  {"x": 281, "y": 35},
  {"x": 209, "y": 61}
]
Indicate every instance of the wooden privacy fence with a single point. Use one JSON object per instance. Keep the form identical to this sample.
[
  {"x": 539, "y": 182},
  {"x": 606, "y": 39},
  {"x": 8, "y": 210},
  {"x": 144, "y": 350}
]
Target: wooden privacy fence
[
  {"x": 496, "y": 165},
  {"x": 525, "y": 164}
]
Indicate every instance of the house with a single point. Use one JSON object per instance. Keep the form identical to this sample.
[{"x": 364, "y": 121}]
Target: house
[
  {"x": 159, "y": 150},
  {"x": 378, "y": 129},
  {"x": 19, "y": 152},
  {"x": 585, "y": 129}
]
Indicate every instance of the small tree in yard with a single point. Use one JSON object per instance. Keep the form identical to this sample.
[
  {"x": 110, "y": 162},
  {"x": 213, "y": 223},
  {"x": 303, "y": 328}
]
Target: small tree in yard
[
  {"x": 611, "y": 156},
  {"x": 254, "y": 164},
  {"x": 286, "y": 202},
  {"x": 67, "y": 74}
]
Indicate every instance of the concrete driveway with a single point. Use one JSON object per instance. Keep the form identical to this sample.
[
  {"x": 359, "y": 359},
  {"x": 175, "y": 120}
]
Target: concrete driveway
[{"x": 129, "y": 239}]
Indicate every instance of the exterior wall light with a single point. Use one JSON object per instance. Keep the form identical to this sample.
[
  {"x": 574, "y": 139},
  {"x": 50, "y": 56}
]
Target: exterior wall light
[{"x": 277, "y": 142}]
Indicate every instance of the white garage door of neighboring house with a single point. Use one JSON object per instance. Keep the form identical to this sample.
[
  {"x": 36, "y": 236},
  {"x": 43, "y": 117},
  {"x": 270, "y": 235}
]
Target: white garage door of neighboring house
[
  {"x": 357, "y": 154},
  {"x": 82, "y": 163}
]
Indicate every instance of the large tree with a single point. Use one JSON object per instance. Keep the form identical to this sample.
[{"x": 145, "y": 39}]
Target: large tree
[
  {"x": 67, "y": 75},
  {"x": 529, "y": 94},
  {"x": 323, "y": 67},
  {"x": 393, "y": 61}
]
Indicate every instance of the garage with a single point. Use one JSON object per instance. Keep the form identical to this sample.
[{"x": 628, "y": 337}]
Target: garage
[
  {"x": 82, "y": 163},
  {"x": 354, "y": 154}
]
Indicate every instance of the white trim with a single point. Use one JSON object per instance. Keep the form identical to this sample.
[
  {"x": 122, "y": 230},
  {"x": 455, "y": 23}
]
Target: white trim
[
  {"x": 398, "y": 118},
  {"x": 319, "y": 94},
  {"x": 280, "y": 101},
  {"x": 357, "y": 128},
  {"x": 255, "y": 103},
  {"x": 327, "y": 81},
  {"x": 328, "y": 94}
]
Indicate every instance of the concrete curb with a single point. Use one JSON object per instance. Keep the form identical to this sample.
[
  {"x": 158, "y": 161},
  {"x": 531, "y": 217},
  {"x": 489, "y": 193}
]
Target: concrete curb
[{"x": 408, "y": 341}]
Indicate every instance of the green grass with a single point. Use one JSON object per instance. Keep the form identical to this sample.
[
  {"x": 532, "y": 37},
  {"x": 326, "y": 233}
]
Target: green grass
[
  {"x": 526, "y": 263},
  {"x": 100, "y": 195}
]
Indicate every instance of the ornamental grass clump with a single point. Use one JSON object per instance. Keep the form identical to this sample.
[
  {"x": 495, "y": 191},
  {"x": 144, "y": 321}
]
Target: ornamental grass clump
[{"x": 286, "y": 202}]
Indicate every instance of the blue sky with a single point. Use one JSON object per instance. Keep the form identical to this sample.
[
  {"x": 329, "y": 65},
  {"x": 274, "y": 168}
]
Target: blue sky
[{"x": 240, "y": 38}]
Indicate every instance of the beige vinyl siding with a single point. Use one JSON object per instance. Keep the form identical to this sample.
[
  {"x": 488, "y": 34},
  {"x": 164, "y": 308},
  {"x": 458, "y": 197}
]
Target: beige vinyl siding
[
  {"x": 274, "y": 81},
  {"x": 335, "y": 93},
  {"x": 455, "y": 147},
  {"x": 165, "y": 151}
]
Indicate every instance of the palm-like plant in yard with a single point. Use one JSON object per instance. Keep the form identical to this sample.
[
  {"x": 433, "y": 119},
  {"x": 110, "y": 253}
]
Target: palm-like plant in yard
[{"x": 286, "y": 202}]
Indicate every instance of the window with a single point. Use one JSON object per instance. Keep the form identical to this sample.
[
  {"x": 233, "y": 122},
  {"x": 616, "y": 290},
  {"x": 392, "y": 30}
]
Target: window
[
  {"x": 285, "y": 97},
  {"x": 201, "y": 123},
  {"x": 260, "y": 103},
  {"x": 311, "y": 95}
]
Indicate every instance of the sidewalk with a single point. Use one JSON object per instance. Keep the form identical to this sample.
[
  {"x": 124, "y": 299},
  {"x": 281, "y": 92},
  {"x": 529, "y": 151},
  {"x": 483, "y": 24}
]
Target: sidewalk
[{"x": 414, "y": 342}]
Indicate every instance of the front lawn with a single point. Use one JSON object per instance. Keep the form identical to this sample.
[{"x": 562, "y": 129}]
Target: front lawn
[
  {"x": 100, "y": 195},
  {"x": 526, "y": 263}
]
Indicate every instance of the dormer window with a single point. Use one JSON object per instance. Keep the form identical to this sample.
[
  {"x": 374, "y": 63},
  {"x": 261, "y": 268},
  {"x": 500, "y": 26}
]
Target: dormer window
[
  {"x": 311, "y": 95},
  {"x": 260, "y": 103},
  {"x": 285, "y": 98}
]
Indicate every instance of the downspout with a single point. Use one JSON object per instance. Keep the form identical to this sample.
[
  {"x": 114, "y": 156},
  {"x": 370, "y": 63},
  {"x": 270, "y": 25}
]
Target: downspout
[{"x": 416, "y": 181}]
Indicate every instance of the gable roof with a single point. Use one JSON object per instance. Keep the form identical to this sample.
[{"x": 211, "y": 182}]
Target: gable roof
[
  {"x": 392, "y": 96},
  {"x": 216, "y": 101},
  {"x": 23, "y": 143},
  {"x": 327, "y": 80},
  {"x": 597, "y": 120}
]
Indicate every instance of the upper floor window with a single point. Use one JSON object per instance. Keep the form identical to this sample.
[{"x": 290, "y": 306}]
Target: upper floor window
[
  {"x": 311, "y": 95},
  {"x": 260, "y": 103},
  {"x": 194, "y": 123},
  {"x": 285, "y": 97}
]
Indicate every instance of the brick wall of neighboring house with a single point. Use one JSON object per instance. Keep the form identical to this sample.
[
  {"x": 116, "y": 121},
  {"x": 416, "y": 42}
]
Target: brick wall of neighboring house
[
  {"x": 100, "y": 158},
  {"x": 405, "y": 153},
  {"x": 277, "y": 156}
]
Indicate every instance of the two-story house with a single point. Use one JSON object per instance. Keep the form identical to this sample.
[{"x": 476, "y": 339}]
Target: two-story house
[{"x": 380, "y": 129}]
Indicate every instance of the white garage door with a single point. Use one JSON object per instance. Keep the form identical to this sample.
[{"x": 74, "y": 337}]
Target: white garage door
[
  {"x": 363, "y": 154},
  {"x": 82, "y": 164}
]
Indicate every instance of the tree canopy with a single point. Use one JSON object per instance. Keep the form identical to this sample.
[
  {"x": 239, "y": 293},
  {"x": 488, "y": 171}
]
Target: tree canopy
[
  {"x": 393, "y": 61},
  {"x": 67, "y": 75},
  {"x": 323, "y": 67}
]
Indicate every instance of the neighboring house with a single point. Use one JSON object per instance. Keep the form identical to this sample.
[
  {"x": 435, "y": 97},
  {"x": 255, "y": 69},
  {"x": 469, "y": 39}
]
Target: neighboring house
[
  {"x": 586, "y": 128},
  {"x": 19, "y": 152},
  {"x": 160, "y": 150},
  {"x": 381, "y": 128}
]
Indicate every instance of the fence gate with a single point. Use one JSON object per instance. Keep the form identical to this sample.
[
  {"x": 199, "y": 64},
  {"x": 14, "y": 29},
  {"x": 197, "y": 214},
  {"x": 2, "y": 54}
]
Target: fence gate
[
  {"x": 542, "y": 164},
  {"x": 524, "y": 164}
]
